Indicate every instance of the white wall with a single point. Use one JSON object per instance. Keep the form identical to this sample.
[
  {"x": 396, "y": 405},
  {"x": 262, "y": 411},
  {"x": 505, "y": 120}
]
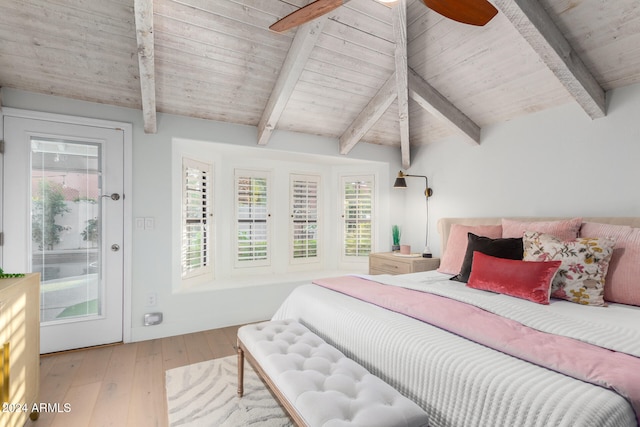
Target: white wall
[
  {"x": 556, "y": 162},
  {"x": 553, "y": 163},
  {"x": 151, "y": 252}
]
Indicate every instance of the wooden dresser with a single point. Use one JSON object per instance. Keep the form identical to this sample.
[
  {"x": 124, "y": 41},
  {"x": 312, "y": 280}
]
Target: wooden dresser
[
  {"x": 19, "y": 348},
  {"x": 388, "y": 263}
]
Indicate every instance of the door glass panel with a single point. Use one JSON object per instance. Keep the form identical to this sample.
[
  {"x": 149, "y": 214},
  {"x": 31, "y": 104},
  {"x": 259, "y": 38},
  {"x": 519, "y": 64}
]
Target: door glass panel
[{"x": 65, "y": 228}]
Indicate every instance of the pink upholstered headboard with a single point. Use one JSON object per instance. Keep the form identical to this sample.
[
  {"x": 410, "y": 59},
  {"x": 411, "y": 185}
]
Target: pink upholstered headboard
[{"x": 444, "y": 224}]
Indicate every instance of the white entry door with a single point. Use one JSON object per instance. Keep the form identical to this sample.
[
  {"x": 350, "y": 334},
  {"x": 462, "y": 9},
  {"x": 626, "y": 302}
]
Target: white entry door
[{"x": 63, "y": 216}]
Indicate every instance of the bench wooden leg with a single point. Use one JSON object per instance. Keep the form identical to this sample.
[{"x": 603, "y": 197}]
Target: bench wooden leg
[{"x": 240, "y": 370}]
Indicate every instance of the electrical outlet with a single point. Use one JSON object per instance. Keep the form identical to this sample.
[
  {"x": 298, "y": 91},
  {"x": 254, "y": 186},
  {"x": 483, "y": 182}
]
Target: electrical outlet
[{"x": 151, "y": 300}]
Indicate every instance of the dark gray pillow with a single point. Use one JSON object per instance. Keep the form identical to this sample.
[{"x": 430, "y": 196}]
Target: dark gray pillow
[{"x": 509, "y": 248}]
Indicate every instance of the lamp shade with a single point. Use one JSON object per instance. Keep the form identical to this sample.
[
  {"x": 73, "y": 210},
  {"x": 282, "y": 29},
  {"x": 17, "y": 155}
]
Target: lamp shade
[{"x": 400, "y": 183}]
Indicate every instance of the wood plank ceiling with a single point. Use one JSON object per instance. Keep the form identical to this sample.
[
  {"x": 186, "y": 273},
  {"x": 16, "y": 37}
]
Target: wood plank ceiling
[{"x": 365, "y": 72}]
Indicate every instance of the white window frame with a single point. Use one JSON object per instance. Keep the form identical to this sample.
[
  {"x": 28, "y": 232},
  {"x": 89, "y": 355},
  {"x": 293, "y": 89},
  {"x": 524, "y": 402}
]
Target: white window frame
[
  {"x": 360, "y": 256},
  {"x": 253, "y": 174},
  {"x": 206, "y": 220},
  {"x": 299, "y": 212}
]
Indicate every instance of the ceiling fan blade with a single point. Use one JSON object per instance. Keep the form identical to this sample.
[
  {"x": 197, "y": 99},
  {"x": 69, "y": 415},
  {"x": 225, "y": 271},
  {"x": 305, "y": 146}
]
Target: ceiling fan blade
[
  {"x": 305, "y": 14},
  {"x": 473, "y": 12}
]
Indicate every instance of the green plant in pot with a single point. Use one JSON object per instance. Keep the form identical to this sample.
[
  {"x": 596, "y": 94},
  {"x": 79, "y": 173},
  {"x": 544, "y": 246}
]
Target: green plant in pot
[{"x": 395, "y": 232}]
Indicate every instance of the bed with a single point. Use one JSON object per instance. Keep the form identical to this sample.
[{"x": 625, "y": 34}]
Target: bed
[{"x": 460, "y": 382}]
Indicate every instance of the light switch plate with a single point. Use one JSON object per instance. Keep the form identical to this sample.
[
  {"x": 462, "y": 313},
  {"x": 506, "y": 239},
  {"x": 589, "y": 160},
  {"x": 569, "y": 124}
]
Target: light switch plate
[
  {"x": 139, "y": 223},
  {"x": 149, "y": 223}
]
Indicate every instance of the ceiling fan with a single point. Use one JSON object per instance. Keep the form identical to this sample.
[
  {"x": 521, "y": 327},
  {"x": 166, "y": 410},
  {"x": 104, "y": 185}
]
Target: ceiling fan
[{"x": 473, "y": 12}]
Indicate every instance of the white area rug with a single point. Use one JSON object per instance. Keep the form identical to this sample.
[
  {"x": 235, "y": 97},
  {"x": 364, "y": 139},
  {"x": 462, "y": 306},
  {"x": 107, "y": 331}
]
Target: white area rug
[{"x": 205, "y": 395}]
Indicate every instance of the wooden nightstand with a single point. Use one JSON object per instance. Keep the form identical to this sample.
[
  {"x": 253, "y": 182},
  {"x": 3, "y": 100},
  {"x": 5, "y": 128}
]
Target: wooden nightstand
[{"x": 388, "y": 263}]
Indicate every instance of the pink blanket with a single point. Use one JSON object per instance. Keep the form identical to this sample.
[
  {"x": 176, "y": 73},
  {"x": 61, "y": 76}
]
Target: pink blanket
[{"x": 586, "y": 362}]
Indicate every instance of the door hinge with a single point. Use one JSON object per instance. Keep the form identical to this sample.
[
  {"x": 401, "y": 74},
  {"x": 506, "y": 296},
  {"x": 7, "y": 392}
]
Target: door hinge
[
  {"x": 1, "y": 146},
  {"x": 1, "y": 238}
]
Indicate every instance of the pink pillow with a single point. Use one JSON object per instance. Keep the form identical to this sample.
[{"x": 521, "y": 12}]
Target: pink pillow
[
  {"x": 622, "y": 282},
  {"x": 528, "y": 280},
  {"x": 451, "y": 260},
  {"x": 563, "y": 229}
]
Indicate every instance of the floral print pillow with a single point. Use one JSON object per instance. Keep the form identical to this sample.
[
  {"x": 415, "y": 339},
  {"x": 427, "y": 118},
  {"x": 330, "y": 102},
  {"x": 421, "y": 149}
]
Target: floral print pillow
[{"x": 585, "y": 261}]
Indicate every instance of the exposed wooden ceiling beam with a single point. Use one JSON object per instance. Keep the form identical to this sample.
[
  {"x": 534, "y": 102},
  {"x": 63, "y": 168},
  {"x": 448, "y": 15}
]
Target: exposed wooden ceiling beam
[
  {"x": 538, "y": 29},
  {"x": 144, "y": 36},
  {"x": 399, "y": 19},
  {"x": 436, "y": 104},
  {"x": 301, "y": 47},
  {"x": 369, "y": 115}
]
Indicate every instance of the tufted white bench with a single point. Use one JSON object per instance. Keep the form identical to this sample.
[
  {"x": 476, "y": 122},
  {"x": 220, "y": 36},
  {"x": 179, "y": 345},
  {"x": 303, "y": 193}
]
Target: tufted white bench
[{"x": 317, "y": 384}]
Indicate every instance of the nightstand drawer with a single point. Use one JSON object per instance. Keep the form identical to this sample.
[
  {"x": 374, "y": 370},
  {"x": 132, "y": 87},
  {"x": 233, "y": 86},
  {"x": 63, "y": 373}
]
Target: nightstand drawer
[
  {"x": 388, "y": 263},
  {"x": 389, "y": 266}
]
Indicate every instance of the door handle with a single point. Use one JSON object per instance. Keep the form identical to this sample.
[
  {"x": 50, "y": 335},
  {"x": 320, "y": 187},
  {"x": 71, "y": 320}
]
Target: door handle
[
  {"x": 113, "y": 196},
  {"x": 115, "y": 247}
]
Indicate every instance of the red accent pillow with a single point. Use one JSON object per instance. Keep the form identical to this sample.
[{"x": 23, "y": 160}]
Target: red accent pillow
[{"x": 530, "y": 280}]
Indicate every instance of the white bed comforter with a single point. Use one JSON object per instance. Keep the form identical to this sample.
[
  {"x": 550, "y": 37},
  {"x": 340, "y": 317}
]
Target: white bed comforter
[
  {"x": 616, "y": 327},
  {"x": 458, "y": 382}
]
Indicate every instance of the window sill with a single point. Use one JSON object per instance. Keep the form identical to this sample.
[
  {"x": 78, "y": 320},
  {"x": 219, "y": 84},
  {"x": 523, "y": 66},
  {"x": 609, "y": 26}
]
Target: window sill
[{"x": 269, "y": 279}]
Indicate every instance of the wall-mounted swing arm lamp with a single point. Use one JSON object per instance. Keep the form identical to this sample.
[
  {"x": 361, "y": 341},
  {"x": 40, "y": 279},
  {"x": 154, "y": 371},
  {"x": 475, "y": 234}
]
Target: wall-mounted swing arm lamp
[
  {"x": 428, "y": 192},
  {"x": 402, "y": 183}
]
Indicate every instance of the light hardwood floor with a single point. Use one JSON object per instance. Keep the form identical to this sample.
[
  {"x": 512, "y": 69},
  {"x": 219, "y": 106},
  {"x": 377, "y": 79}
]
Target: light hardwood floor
[{"x": 122, "y": 385}]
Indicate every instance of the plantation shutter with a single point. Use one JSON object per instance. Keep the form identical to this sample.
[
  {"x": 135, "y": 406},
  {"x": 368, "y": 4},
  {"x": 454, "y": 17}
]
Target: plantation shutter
[
  {"x": 357, "y": 214},
  {"x": 304, "y": 217},
  {"x": 196, "y": 212},
  {"x": 252, "y": 214}
]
